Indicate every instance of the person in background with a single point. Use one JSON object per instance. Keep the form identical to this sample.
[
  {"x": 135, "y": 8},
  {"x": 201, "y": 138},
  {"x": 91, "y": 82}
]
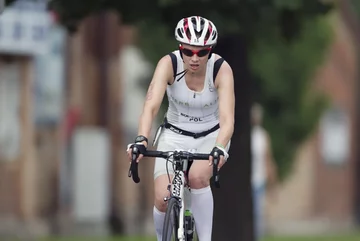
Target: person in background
[{"x": 263, "y": 167}]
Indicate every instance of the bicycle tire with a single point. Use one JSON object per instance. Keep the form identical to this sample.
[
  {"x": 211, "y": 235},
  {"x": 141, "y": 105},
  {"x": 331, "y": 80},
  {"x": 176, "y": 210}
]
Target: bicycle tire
[{"x": 171, "y": 222}]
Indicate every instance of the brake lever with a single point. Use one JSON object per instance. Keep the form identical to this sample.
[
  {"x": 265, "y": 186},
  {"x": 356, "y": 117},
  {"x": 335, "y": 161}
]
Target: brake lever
[
  {"x": 216, "y": 176},
  {"x": 133, "y": 170}
]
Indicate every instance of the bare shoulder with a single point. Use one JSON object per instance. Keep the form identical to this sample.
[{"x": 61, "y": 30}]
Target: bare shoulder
[
  {"x": 225, "y": 67},
  {"x": 164, "y": 69},
  {"x": 165, "y": 62},
  {"x": 225, "y": 73}
]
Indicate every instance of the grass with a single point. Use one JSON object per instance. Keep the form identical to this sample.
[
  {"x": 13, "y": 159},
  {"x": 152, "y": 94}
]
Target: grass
[
  {"x": 349, "y": 237},
  {"x": 102, "y": 239}
]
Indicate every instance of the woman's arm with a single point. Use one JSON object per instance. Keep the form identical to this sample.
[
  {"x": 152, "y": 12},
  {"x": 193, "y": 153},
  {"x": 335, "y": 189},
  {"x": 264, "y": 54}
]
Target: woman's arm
[
  {"x": 155, "y": 95},
  {"x": 225, "y": 84}
]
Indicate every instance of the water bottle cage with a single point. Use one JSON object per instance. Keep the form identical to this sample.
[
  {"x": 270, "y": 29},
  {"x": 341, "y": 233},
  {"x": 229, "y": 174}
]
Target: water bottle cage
[{"x": 189, "y": 226}]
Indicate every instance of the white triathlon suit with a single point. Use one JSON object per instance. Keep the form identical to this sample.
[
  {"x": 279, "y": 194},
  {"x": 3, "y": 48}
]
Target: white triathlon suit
[{"x": 190, "y": 111}]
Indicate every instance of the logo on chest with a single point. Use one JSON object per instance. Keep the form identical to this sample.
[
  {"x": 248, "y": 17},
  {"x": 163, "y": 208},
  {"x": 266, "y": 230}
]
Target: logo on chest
[
  {"x": 200, "y": 103},
  {"x": 179, "y": 102},
  {"x": 192, "y": 118}
]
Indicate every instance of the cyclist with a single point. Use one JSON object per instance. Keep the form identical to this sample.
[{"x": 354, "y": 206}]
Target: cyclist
[{"x": 200, "y": 116}]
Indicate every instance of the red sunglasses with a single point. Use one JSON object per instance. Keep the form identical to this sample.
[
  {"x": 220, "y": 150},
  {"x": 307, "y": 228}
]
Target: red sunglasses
[{"x": 190, "y": 53}]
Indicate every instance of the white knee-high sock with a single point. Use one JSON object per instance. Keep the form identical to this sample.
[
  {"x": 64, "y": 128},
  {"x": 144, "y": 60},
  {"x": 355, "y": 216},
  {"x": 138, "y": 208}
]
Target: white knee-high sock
[
  {"x": 158, "y": 222},
  {"x": 202, "y": 207}
]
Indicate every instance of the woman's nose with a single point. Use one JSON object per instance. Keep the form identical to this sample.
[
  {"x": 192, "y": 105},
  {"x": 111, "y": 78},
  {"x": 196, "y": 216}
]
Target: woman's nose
[{"x": 195, "y": 58}]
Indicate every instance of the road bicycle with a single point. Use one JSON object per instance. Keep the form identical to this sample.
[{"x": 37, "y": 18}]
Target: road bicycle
[{"x": 179, "y": 223}]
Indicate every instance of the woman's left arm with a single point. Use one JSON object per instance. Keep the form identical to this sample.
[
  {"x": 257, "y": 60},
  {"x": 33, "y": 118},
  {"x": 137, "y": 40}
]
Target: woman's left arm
[{"x": 224, "y": 83}]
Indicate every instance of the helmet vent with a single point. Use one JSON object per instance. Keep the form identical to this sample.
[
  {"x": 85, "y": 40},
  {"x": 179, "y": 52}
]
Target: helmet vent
[
  {"x": 214, "y": 35},
  {"x": 180, "y": 33}
]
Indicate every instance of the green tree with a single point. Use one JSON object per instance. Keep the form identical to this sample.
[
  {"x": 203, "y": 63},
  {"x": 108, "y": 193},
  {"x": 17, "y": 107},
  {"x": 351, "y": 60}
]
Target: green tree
[
  {"x": 284, "y": 74},
  {"x": 267, "y": 43}
]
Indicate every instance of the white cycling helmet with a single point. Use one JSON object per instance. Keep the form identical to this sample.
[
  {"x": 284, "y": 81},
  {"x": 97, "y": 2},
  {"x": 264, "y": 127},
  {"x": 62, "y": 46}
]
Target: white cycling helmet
[{"x": 197, "y": 31}]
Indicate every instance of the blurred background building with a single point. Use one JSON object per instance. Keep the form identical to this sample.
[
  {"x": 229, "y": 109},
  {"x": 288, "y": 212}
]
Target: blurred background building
[{"x": 62, "y": 153}]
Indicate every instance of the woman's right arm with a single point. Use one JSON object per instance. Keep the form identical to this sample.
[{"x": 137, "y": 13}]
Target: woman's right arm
[{"x": 155, "y": 94}]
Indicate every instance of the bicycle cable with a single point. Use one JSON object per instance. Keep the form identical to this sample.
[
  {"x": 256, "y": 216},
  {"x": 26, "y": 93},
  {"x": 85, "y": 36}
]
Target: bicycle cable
[{"x": 167, "y": 167}]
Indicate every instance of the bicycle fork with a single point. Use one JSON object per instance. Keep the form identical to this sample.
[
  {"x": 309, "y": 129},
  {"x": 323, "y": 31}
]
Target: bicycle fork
[{"x": 177, "y": 191}]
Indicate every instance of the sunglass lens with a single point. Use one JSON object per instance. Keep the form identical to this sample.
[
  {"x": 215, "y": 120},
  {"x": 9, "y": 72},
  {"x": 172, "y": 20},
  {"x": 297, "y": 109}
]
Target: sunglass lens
[
  {"x": 203, "y": 52},
  {"x": 187, "y": 52}
]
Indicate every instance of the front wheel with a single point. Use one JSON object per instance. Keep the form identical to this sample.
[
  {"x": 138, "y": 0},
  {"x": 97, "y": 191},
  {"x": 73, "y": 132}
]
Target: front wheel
[{"x": 171, "y": 222}]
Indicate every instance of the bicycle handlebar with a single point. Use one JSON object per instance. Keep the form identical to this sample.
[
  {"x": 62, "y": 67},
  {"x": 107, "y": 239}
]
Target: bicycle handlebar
[{"x": 177, "y": 155}]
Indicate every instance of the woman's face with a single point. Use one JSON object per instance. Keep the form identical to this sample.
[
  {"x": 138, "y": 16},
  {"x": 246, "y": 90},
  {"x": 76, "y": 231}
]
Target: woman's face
[{"x": 195, "y": 57}]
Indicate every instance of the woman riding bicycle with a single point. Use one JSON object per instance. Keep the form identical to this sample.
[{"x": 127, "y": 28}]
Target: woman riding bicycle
[{"x": 200, "y": 116}]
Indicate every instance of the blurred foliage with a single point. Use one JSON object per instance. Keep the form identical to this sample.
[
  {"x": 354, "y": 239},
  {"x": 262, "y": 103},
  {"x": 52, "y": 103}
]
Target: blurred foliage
[
  {"x": 355, "y": 4},
  {"x": 287, "y": 40},
  {"x": 250, "y": 17},
  {"x": 283, "y": 73}
]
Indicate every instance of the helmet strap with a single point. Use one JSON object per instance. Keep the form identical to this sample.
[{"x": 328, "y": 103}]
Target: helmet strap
[
  {"x": 211, "y": 51},
  {"x": 181, "y": 55}
]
